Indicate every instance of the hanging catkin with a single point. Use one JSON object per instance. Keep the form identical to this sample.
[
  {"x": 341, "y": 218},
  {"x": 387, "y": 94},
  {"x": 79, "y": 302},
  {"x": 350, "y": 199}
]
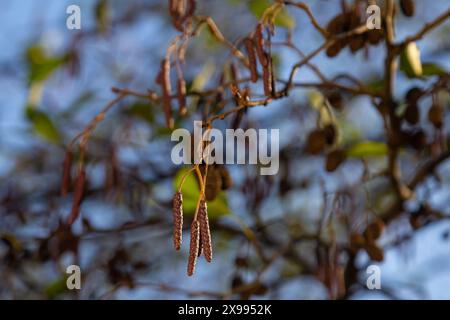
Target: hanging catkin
[
  {"x": 204, "y": 230},
  {"x": 249, "y": 46},
  {"x": 177, "y": 220},
  {"x": 194, "y": 247},
  {"x": 66, "y": 179},
  {"x": 78, "y": 196}
]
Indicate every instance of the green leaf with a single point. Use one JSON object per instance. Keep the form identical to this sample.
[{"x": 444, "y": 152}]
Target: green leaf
[
  {"x": 55, "y": 288},
  {"x": 367, "y": 149},
  {"x": 410, "y": 62},
  {"x": 43, "y": 125},
  {"x": 191, "y": 191},
  {"x": 142, "y": 110},
  {"x": 41, "y": 66},
  {"x": 282, "y": 19},
  {"x": 433, "y": 69}
]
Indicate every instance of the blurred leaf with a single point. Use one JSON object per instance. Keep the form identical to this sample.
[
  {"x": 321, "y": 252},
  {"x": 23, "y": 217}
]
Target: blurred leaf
[
  {"x": 376, "y": 84},
  {"x": 43, "y": 125},
  {"x": 55, "y": 288},
  {"x": 41, "y": 66},
  {"x": 282, "y": 17},
  {"x": 433, "y": 69},
  {"x": 142, "y": 110},
  {"x": 191, "y": 191},
  {"x": 367, "y": 149},
  {"x": 102, "y": 15},
  {"x": 410, "y": 62}
]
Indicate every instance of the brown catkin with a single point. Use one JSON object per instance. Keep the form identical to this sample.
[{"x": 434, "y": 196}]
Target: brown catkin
[
  {"x": 181, "y": 95},
  {"x": 194, "y": 247},
  {"x": 249, "y": 46},
  {"x": 204, "y": 230},
  {"x": 66, "y": 178},
  {"x": 167, "y": 91},
  {"x": 267, "y": 78},
  {"x": 259, "y": 45},
  {"x": 77, "y": 197},
  {"x": 177, "y": 220}
]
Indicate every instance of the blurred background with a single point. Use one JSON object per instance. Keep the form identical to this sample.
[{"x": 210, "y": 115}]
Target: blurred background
[{"x": 53, "y": 81}]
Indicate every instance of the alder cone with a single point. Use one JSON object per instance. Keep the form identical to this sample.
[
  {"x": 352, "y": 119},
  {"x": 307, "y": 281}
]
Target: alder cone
[
  {"x": 335, "y": 48},
  {"x": 357, "y": 42},
  {"x": 213, "y": 183},
  {"x": 330, "y": 134},
  {"x": 337, "y": 24},
  {"x": 357, "y": 241},
  {"x": 226, "y": 178},
  {"x": 375, "y": 253},
  {"x": 412, "y": 114},
  {"x": 316, "y": 141},
  {"x": 436, "y": 116},
  {"x": 374, "y": 230},
  {"x": 407, "y": 7},
  {"x": 334, "y": 159},
  {"x": 413, "y": 95},
  {"x": 375, "y": 36},
  {"x": 336, "y": 100}
]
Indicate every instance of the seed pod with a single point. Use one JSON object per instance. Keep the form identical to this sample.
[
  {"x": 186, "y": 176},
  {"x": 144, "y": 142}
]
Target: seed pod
[
  {"x": 375, "y": 253},
  {"x": 413, "y": 95},
  {"x": 334, "y": 159},
  {"x": 330, "y": 134},
  {"x": 316, "y": 141},
  {"x": 436, "y": 115},
  {"x": 407, "y": 7},
  {"x": 335, "y": 99},
  {"x": 375, "y": 36},
  {"x": 417, "y": 139},
  {"x": 181, "y": 95},
  {"x": 226, "y": 178},
  {"x": 193, "y": 247},
  {"x": 204, "y": 230},
  {"x": 374, "y": 230},
  {"x": 337, "y": 25},
  {"x": 249, "y": 46},
  {"x": 177, "y": 214},
  {"x": 213, "y": 183},
  {"x": 259, "y": 45},
  {"x": 412, "y": 114},
  {"x": 357, "y": 42},
  {"x": 66, "y": 178},
  {"x": 335, "y": 48},
  {"x": 357, "y": 241},
  {"x": 77, "y": 197}
]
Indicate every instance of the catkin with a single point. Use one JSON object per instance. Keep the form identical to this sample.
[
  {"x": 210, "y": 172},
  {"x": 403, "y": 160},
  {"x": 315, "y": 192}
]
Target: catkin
[
  {"x": 259, "y": 45},
  {"x": 78, "y": 196},
  {"x": 204, "y": 230},
  {"x": 249, "y": 46},
  {"x": 267, "y": 77},
  {"x": 66, "y": 178},
  {"x": 194, "y": 247},
  {"x": 177, "y": 220},
  {"x": 181, "y": 95},
  {"x": 167, "y": 91}
]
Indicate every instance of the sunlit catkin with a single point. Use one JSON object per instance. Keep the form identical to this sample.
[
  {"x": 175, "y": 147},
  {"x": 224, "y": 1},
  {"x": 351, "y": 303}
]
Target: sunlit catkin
[
  {"x": 177, "y": 220},
  {"x": 194, "y": 247},
  {"x": 204, "y": 230}
]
